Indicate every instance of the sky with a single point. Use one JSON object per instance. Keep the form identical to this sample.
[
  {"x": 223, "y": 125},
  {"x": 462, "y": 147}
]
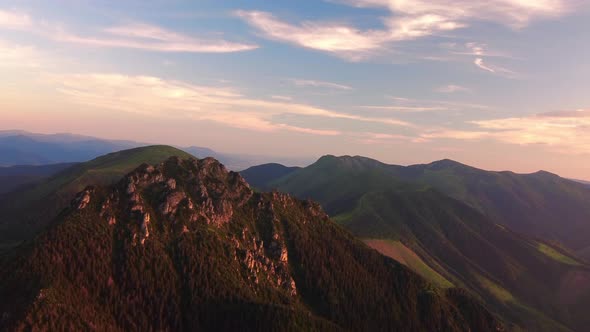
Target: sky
[{"x": 497, "y": 84}]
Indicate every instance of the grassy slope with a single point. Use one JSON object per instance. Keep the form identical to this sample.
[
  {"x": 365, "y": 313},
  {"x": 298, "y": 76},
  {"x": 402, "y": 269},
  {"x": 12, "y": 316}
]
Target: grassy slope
[
  {"x": 558, "y": 256},
  {"x": 405, "y": 255}
]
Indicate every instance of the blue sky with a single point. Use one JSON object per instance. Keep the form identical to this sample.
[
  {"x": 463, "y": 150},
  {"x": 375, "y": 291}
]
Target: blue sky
[{"x": 499, "y": 84}]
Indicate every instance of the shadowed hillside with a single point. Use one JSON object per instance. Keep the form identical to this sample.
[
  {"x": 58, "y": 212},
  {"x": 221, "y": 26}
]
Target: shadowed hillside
[
  {"x": 528, "y": 281},
  {"x": 26, "y": 211}
]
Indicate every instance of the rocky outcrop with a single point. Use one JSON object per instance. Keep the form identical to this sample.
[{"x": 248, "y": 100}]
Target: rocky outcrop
[{"x": 83, "y": 199}]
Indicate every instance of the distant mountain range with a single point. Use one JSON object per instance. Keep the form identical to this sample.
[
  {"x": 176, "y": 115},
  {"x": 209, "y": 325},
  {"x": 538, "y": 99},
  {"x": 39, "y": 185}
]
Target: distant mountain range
[
  {"x": 24, "y": 148},
  {"x": 186, "y": 245},
  {"x": 452, "y": 224}
]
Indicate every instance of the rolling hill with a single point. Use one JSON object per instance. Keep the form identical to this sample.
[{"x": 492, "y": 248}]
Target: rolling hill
[
  {"x": 186, "y": 245},
  {"x": 396, "y": 210},
  {"x": 27, "y": 210},
  {"x": 259, "y": 176}
]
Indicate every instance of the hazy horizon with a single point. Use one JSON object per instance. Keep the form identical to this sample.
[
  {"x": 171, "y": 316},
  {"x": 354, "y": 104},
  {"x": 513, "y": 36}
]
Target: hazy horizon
[
  {"x": 286, "y": 160},
  {"x": 498, "y": 85}
]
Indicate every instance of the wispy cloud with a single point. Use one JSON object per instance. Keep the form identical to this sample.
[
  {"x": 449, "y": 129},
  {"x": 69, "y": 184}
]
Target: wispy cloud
[
  {"x": 407, "y": 108},
  {"x": 319, "y": 84},
  {"x": 384, "y": 138},
  {"x": 158, "y": 97},
  {"x": 134, "y": 36},
  {"x": 479, "y": 62},
  {"x": 152, "y": 38},
  {"x": 17, "y": 56},
  {"x": 407, "y": 20},
  {"x": 343, "y": 39},
  {"x": 451, "y": 88},
  {"x": 14, "y": 20},
  {"x": 562, "y": 131},
  {"x": 494, "y": 69},
  {"x": 514, "y": 13},
  {"x": 339, "y": 39},
  {"x": 409, "y": 105},
  {"x": 283, "y": 98}
]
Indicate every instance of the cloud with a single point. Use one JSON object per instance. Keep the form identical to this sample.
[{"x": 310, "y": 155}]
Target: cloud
[
  {"x": 563, "y": 131},
  {"x": 402, "y": 104},
  {"x": 479, "y": 62},
  {"x": 18, "y": 56},
  {"x": 319, "y": 84},
  {"x": 344, "y": 40},
  {"x": 339, "y": 39},
  {"x": 384, "y": 138},
  {"x": 514, "y": 13},
  {"x": 497, "y": 70},
  {"x": 134, "y": 36},
  {"x": 14, "y": 20},
  {"x": 283, "y": 98},
  {"x": 159, "y": 97},
  {"x": 406, "y": 108},
  {"x": 407, "y": 20},
  {"x": 451, "y": 88},
  {"x": 152, "y": 38},
  {"x": 567, "y": 114}
]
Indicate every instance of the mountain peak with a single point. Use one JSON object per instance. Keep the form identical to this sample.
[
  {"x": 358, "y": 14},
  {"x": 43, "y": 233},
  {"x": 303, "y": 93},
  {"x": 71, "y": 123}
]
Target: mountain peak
[
  {"x": 200, "y": 189},
  {"x": 545, "y": 174},
  {"x": 444, "y": 163}
]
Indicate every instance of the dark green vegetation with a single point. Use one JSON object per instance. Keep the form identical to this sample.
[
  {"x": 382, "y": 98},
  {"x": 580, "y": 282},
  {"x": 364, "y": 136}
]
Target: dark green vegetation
[
  {"x": 188, "y": 246},
  {"x": 26, "y": 211},
  {"x": 541, "y": 204},
  {"x": 260, "y": 176},
  {"x": 533, "y": 284},
  {"x": 12, "y": 177}
]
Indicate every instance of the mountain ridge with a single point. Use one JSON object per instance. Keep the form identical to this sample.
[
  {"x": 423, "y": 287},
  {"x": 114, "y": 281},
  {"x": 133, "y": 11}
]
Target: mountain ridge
[{"x": 379, "y": 201}]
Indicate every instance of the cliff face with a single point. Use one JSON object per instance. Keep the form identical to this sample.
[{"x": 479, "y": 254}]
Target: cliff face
[{"x": 186, "y": 245}]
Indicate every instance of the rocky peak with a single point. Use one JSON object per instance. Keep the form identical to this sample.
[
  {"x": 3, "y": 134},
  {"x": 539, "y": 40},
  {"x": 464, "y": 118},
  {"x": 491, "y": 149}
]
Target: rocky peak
[{"x": 197, "y": 190}]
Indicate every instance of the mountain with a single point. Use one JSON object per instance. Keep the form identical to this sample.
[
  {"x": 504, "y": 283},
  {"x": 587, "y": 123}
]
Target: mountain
[
  {"x": 186, "y": 245},
  {"x": 531, "y": 283},
  {"x": 259, "y": 176},
  {"x": 240, "y": 162},
  {"x": 23, "y": 148},
  {"x": 27, "y": 210},
  {"x": 12, "y": 177},
  {"x": 583, "y": 182},
  {"x": 540, "y": 204}
]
